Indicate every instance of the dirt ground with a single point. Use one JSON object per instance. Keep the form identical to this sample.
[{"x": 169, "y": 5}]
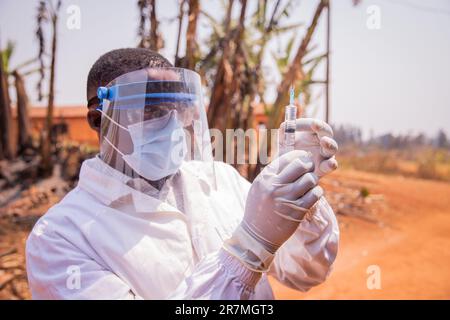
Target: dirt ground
[
  {"x": 409, "y": 239},
  {"x": 13, "y": 279},
  {"x": 410, "y": 244}
]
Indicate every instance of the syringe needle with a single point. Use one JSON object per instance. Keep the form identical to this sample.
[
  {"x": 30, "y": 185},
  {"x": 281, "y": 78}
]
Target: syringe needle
[{"x": 291, "y": 95}]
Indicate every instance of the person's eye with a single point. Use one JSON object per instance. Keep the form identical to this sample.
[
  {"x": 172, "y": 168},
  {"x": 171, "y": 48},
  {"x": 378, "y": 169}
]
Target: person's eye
[{"x": 152, "y": 112}]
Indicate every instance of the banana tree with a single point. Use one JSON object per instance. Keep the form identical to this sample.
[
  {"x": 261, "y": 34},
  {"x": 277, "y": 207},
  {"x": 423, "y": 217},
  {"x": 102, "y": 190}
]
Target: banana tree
[
  {"x": 6, "y": 150},
  {"x": 233, "y": 66},
  {"x": 19, "y": 74},
  {"x": 295, "y": 72},
  {"x": 47, "y": 12}
]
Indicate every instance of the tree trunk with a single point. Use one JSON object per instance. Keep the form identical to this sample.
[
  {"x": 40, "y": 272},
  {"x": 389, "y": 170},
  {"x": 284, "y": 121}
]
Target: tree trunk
[
  {"x": 156, "y": 41},
  {"x": 191, "y": 43},
  {"x": 228, "y": 91},
  {"x": 46, "y": 149},
  {"x": 180, "y": 26},
  {"x": 238, "y": 63},
  {"x": 219, "y": 90},
  {"x": 23, "y": 121},
  {"x": 5, "y": 117},
  {"x": 327, "y": 88}
]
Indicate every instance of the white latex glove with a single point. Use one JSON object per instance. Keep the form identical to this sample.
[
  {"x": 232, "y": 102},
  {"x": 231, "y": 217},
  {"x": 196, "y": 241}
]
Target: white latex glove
[
  {"x": 277, "y": 201},
  {"x": 315, "y": 136}
]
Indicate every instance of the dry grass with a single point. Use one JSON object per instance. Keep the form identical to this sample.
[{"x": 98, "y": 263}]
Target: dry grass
[{"x": 425, "y": 163}]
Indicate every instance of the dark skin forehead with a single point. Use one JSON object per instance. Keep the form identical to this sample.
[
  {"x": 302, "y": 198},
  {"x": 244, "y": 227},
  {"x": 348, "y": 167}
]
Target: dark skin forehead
[
  {"x": 162, "y": 74},
  {"x": 94, "y": 115}
]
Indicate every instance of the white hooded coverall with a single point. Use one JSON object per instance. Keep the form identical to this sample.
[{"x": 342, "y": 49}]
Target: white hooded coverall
[{"x": 110, "y": 239}]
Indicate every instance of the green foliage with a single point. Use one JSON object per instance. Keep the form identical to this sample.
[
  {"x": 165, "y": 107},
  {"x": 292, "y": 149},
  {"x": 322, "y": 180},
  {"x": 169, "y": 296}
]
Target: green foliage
[
  {"x": 6, "y": 54},
  {"x": 364, "y": 192}
]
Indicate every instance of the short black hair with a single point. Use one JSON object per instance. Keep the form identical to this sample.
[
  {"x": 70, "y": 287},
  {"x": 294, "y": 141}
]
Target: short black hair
[{"x": 118, "y": 62}]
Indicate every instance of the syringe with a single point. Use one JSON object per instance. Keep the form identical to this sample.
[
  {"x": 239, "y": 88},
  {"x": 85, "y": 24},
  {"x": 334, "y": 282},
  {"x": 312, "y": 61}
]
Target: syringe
[{"x": 289, "y": 119}]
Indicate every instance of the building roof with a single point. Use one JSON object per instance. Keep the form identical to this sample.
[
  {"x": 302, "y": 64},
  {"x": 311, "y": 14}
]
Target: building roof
[{"x": 59, "y": 112}]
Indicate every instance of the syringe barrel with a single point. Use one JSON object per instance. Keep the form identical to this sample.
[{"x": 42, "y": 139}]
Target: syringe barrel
[
  {"x": 290, "y": 112},
  {"x": 289, "y": 121},
  {"x": 289, "y": 118}
]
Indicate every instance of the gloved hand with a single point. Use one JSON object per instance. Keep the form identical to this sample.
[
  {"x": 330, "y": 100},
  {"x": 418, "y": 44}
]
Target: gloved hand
[
  {"x": 277, "y": 202},
  {"x": 315, "y": 136}
]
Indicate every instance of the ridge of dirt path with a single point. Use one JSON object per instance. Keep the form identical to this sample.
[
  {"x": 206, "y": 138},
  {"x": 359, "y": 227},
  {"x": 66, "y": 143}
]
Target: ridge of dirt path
[{"x": 411, "y": 245}]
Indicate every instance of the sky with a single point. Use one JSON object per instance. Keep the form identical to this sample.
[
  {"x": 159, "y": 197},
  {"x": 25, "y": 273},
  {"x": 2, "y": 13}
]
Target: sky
[{"x": 390, "y": 59}]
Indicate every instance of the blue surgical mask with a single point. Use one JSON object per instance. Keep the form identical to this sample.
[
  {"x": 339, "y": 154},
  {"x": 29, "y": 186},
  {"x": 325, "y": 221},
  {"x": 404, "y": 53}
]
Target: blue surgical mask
[{"x": 159, "y": 146}]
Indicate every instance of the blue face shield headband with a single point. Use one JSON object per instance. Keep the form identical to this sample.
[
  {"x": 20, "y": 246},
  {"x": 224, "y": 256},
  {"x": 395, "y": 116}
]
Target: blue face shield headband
[{"x": 139, "y": 94}]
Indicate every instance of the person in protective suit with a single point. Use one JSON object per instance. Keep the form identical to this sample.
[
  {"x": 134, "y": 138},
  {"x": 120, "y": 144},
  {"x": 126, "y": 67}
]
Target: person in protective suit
[{"x": 155, "y": 217}]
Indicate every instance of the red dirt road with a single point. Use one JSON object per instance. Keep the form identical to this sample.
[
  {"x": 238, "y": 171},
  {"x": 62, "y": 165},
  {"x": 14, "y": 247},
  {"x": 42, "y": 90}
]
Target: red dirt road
[{"x": 411, "y": 245}]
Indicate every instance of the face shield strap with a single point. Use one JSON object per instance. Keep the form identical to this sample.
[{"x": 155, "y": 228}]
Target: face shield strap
[
  {"x": 111, "y": 119},
  {"x": 113, "y": 146},
  {"x": 132, "y": 95}
]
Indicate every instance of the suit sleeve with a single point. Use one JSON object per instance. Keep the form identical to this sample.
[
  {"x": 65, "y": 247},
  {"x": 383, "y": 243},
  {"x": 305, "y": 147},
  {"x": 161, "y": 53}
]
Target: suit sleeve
[
  {"x": 58, "y": 270},
  {"x": 306, "y": 259}
]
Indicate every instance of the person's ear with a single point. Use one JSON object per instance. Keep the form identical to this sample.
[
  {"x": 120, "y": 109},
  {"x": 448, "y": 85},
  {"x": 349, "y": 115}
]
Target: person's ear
[{"x": 94, "y": 118}]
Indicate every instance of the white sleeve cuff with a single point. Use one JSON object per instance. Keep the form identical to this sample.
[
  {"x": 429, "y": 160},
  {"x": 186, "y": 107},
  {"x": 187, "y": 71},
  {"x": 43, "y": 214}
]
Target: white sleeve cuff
[
  {"x": 219, "y": 276},
  {"x": 235, "y": 268},
  {"x": 248, "y": 251}
]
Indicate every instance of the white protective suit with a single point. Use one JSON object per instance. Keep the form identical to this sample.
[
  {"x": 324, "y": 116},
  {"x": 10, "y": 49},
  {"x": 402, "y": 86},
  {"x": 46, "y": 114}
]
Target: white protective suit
[{"x": 110, "y": 239}]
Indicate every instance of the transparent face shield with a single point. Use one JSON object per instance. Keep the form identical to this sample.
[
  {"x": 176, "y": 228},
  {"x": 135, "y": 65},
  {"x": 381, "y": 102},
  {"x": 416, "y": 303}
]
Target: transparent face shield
[{"x": 154, "y": 124}]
